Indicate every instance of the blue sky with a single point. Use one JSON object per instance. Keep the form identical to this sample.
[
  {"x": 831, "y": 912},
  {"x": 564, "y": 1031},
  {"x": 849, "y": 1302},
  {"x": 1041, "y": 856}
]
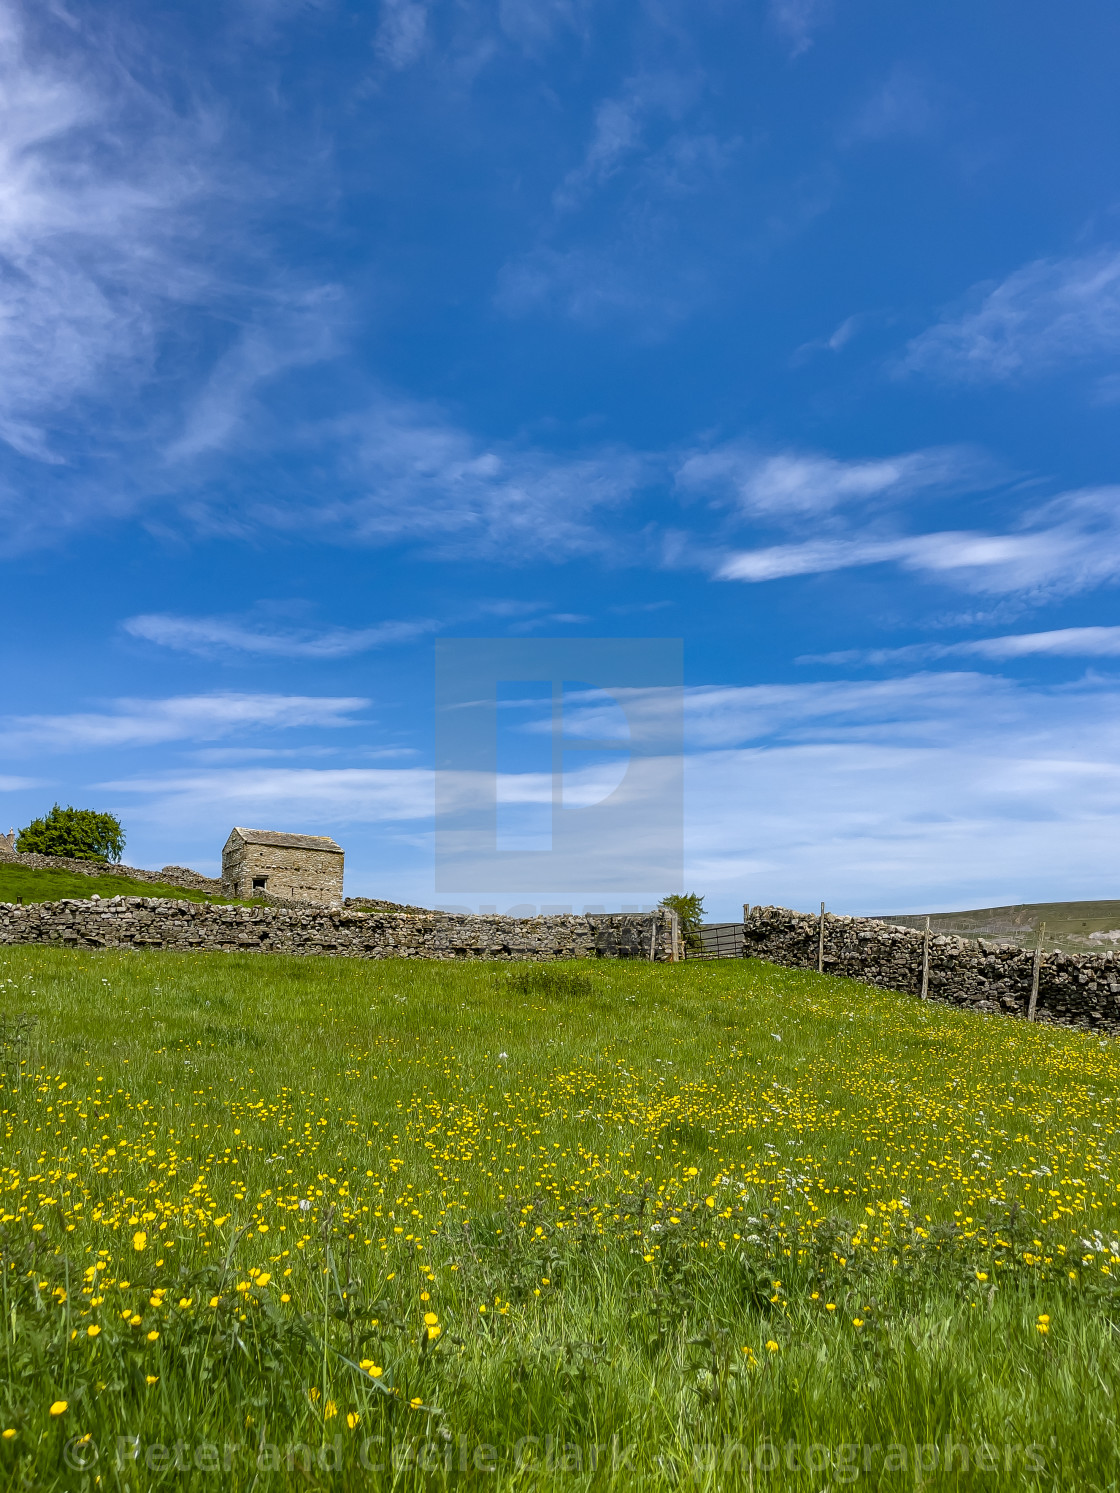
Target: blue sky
[{"x": 790, "y": 329}]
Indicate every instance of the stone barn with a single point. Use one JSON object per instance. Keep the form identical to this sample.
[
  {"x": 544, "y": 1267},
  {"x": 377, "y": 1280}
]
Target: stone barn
[{"x": 299, "y": 868}]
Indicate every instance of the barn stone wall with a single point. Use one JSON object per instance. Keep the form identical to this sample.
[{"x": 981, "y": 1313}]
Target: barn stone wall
[{"x": 294, "y": 873}]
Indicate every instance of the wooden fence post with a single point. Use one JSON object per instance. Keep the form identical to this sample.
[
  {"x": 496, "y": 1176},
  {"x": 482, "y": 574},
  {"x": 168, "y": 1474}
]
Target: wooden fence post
[
  {"x": 820, "y": 945},
  {"x": 925, "y": 962},
  {"x": 1036, "y": 965}
]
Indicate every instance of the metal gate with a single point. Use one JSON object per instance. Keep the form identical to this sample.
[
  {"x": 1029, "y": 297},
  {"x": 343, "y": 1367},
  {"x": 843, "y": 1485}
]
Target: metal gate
[{"x": 718, "y": 941}]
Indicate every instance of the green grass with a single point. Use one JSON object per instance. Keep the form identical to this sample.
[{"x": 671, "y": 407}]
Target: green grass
[
  {"x": 702, "y": 1218},
  {"x": 30, "y": 884}
]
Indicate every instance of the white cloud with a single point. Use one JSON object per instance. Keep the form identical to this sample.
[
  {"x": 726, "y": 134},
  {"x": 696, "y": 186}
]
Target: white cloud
[
  {"x": 98, "y": 179},
  {"x": 618, "y": 135},
  {"x": 141, "y": 723},
  {"x": 207, "y": 636},
  {"x": 844, "y": 332},
  {"x": 657, "y": 167},
  {"x": 281, "y": 795},
  {"x": 1050, "y": 313},
  {"x": 1065, "y": 546},
  {"x": 797, "y": 20},
  {"x": 401, "y": 32},
  {"x": 901, "y": 107},
  {"x": 647, "y": 268},
  {"x": 930, "y": 791},
  {"x": 134, "y": 281},
  {"x": 533, "y": 23},
  {"x": 588, "y": 284},
  {"x": 619, "y": 131},
  {"x": 835, "y": 342},
  {"x": 795, "y": 483},
  {"x": 916, "y": 793},
  {"x": 293, "y": 331},
  {"x": 1008, "y": 562},
  {"x": 875, "y": 829},
  {"x": 407, "y": 473},
  {"x": 927, "y": 706},
  {"x": 1063, "y": 642},
  {"x": 931, "y": 708}
]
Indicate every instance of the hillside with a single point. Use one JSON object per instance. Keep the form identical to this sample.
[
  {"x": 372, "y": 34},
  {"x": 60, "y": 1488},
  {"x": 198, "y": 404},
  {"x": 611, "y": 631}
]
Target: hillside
[
  {"x": 30, "y": 884},
  {"x": 1072, "y": 926}
]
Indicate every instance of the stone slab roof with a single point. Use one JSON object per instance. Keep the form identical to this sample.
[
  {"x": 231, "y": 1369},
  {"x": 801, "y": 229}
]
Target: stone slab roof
[{"x": 288, "y": 842}]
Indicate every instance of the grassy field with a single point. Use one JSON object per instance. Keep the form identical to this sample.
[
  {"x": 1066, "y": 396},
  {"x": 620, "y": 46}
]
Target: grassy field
[
  {"x": 272, "y": 1223},
  {"x": 32, "y": 884}
]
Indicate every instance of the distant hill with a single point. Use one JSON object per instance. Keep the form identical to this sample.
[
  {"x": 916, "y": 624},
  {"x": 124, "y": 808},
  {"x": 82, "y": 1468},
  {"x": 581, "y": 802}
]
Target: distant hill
[{"x": 1073, "y": 926}]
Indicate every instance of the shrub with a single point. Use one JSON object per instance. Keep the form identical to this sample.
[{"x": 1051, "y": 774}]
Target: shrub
[
  {"x": 689, "y": 909},
  {"x": 80, "y": 834}
]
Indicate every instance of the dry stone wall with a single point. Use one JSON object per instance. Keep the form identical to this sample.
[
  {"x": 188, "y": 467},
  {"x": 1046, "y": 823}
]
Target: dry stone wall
[
  {"x": 164, "y": 923},
  {"x": 1073, "y": 989}
]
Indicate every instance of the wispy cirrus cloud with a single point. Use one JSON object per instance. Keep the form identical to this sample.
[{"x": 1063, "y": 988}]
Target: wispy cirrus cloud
[
  {"x": 1003, "y": 561},
  {"x": 140, "y": 306},
  {"x": 406, "y": 472},
  {"x": 1064, "y": 546},
  {"x": 207, "y": 636},
  {"x": 1049, "y": 314},
  {"x": 142, "y": 723},
  {"x": 393, "y": 472},
  {"x": 533, "y": 24},
  {"x": 311, "y": 795},
  {"x": 835, "y": 342},
  {"x": 924, "y": 791},
  {"x": 932, "y": 789},
  {"x": 930, "y": 708},
  {"x": 798, "y": 21},
  {"x": 1062, "y": 642},
  {"x": 102, "y": 182},
  {"x": 796, "y": 483},
  {"x": 902, "y": 106},
  {"x": 620, "y": 130},
  {"x": 292, "y": 328},
  {"x": 401, "y": 32},
  {"x": 620, "y": 241}
]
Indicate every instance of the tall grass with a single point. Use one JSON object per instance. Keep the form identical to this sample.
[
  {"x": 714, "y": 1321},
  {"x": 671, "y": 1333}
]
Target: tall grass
[{"x": 283, "y": 1223}]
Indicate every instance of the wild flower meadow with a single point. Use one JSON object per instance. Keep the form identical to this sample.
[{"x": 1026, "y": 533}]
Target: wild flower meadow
[{"x": 275, "y": 1223}]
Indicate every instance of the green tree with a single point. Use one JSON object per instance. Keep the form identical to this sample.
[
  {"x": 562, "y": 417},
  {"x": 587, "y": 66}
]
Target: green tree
[
  {"x": 80, "y": 834},
  {"x": 689, "y": 909}
]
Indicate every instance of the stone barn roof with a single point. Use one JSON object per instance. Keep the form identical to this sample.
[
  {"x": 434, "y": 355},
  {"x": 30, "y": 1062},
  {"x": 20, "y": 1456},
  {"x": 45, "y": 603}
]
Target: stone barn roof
[{"x": 288, "y": 842}]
